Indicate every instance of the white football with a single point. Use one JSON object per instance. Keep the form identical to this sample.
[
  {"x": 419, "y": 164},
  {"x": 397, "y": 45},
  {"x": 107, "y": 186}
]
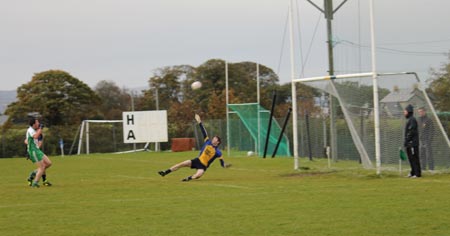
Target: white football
[{"x": 196, "y": 85}]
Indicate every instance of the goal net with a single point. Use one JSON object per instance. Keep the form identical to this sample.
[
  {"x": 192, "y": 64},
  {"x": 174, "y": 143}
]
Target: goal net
[
  {"x": 354, "y": 122},
  {"x": 104, "y": 136}
]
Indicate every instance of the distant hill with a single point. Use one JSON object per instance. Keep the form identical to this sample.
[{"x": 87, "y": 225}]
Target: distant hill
[{"x": 6, "y": 97}]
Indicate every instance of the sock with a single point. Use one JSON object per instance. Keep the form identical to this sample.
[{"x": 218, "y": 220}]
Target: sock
[
  {"x": 167, "y": 171},
  {"x": 32, "y": 175},
  {"x": 44, "y": 178}
]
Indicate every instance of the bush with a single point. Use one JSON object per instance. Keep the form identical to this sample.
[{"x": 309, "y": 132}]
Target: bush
[
  {"x": 12, "y": 143},
  {"x": 12, "y": 140}
]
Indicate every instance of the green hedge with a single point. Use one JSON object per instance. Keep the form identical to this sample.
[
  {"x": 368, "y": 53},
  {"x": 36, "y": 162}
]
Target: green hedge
[{"x": 12, "y": 141}]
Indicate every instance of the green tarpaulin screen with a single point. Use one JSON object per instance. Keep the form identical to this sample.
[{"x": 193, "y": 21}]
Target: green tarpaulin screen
[{"x": 248, "y": 114}]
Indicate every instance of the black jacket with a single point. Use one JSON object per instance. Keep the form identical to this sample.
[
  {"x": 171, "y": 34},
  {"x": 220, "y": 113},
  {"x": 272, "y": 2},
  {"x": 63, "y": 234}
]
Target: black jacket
[{"x": 411, "y": 132}]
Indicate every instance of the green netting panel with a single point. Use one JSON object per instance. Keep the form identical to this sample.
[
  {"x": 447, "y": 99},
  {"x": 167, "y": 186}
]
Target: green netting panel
[{"x": 248, "y": 114}]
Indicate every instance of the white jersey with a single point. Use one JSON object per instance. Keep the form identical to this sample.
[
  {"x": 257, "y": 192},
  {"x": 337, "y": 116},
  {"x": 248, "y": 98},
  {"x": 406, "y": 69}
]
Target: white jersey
[{"x": 30, "y": 137}]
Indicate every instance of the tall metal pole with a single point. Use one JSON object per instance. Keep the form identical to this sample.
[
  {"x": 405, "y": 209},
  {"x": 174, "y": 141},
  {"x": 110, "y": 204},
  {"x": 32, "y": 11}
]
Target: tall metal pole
[
  {"x": 227, "y": 110},
  {"x": 328, "y": 11},
  {"x": 294, "y": 89},
  {"x": 132, "y": 100},
  {"x": 258, "y": 145},
  {"x": 157, "y": 108},
  {"x": 375, "y": 93},
  {"x": 324, "y": 124}
]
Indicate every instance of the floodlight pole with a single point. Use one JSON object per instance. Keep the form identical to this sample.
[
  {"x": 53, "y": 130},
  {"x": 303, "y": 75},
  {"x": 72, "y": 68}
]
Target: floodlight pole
[{"x": 328, "y": 12}]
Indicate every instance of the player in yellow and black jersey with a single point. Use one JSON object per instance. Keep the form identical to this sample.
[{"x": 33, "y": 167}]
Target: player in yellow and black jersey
[{"x": 208, "y": 153}]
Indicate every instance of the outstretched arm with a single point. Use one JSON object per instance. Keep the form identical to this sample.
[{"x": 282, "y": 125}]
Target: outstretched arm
[{"x": 202, "y": 128}]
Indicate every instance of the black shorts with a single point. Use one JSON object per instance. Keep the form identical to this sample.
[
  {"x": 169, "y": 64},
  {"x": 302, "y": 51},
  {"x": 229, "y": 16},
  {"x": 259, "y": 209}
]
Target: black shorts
[{"x": 196, "y": 164}]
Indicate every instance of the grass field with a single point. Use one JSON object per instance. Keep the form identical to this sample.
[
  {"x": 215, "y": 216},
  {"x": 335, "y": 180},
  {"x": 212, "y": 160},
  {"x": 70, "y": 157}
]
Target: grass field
[{"x": 112, "y": 194}]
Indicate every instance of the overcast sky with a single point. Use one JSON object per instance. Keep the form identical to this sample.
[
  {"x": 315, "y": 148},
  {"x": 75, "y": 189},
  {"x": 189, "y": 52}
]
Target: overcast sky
[{"x": 126, "y": 40}]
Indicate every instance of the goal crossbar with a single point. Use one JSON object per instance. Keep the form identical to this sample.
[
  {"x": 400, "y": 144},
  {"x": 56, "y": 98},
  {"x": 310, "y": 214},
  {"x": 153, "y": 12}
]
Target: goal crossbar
[{"x": 346, "y": 76}]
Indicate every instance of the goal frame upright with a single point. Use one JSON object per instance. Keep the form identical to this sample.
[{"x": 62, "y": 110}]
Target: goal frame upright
[{"x": 376, "y": 114}]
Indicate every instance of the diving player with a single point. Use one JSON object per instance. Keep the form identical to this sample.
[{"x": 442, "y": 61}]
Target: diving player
[{"x": 208, "y": 153}]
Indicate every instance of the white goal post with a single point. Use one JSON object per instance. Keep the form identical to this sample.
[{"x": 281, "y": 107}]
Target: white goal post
[
  {"x": 397, "y": 90},
  {"x": 85, "y": 125},
  {"x": 85, "y": 130}
]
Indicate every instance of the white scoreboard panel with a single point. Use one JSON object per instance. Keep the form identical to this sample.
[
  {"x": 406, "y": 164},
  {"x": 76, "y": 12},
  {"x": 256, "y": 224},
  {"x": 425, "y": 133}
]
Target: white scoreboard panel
[{"x": 145, "y": 126}]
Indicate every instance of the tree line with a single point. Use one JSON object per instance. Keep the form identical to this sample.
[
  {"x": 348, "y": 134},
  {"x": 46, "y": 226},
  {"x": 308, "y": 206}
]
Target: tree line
[{"x": 63, "y": 100}]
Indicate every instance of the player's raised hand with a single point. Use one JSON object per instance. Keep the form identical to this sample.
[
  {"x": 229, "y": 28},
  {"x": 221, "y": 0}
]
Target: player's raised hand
[{"x": 197, "y": 118}]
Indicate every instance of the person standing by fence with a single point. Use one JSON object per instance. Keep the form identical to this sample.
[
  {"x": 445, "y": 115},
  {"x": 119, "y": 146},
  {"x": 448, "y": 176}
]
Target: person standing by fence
[
  {"x": 411, "y": 142},
  {"x": 426, "y": 132}
]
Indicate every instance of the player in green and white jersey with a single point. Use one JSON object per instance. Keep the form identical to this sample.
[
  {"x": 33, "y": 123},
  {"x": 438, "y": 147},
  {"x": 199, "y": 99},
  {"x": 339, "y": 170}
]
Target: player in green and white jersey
[{"x": 36, "y": 155}]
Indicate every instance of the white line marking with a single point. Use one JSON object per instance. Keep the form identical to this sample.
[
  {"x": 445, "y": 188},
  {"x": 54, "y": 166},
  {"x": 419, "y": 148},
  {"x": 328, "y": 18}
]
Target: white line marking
[
  {"x": 125, "y": 159},
  {"x": 131, "y": 177},
  {"x": 230, "y": 186}
]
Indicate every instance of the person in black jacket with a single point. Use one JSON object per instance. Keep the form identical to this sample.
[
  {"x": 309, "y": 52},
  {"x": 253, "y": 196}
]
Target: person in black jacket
[{"x": 411, "y": 142}]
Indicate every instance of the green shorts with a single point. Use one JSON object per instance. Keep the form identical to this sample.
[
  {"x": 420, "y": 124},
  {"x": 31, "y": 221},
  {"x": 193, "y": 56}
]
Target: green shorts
[{"x": 36, "y": 155}]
